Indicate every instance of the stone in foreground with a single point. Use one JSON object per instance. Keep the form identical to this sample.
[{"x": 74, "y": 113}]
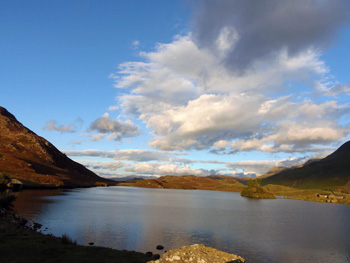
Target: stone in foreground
[{"x": 198, "y": 254}]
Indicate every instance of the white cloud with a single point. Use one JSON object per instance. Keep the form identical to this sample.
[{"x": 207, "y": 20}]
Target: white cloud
[
  {"x": 161, "y": 169},
  {"x": 338, "y": 89},
  {"x": 135, "y": 44},
  {"x": 53, "y": 126},
  {"x": 189, "y": 100},
  {"x": 136, "y": 155},
  {"x": 114, "y": 129},
  {"x": 245, "y": 79},
  {"x": 226, "y": 40},
  {"x": 113, "y": 108},
  {"x": 111, "y": 166}
]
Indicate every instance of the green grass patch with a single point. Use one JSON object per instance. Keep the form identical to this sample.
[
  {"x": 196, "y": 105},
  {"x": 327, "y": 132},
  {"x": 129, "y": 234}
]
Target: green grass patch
[
  {"x": 289, "y": 191},
  {"x": 255, "y": 190}
]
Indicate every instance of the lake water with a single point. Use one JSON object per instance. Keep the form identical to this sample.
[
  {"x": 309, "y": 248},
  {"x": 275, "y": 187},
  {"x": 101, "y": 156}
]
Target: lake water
[{"x": 139, "y": 219}]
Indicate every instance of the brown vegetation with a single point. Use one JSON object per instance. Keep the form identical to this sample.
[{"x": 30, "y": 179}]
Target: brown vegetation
[{"x": 189, "y": 182}]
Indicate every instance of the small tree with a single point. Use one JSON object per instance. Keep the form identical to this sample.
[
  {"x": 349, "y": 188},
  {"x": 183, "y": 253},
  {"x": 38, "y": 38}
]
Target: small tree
[
  {"x": 3, "y": 179},
  {"x": 254, "y": 183},
  {"x": 6, "y": 201}
]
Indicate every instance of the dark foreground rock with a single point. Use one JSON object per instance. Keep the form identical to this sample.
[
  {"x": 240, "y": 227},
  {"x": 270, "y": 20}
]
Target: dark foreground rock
[{"x": 198, "y": 253}]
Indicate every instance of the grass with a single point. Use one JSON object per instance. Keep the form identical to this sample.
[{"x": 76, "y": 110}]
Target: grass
[
  {"x": 6, "y": 201},
  {"x": 289, "y": 191},
  {"x": 67, "y": 240},
  {"x": 304, "y": 194},
  {"x": 19, "y": 245},
  {"x": 255, "y": 190}
]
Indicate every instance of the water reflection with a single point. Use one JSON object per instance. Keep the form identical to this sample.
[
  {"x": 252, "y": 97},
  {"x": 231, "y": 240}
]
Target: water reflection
[
  {"x": 30, "y": 203},
  {"x": 278, "y": 230}
]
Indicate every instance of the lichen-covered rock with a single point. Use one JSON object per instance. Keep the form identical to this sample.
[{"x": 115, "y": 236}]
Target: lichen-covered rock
[{"x": 198, "y": 254}]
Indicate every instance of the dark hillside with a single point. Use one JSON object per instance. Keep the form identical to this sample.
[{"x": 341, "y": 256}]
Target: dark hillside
[
  {"x": 36, "y": 162},
  {"x": 330, "y": 172}
]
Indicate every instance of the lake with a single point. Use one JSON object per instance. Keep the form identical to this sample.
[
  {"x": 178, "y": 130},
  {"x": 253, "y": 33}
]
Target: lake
[{"x": 139, "y": 219}]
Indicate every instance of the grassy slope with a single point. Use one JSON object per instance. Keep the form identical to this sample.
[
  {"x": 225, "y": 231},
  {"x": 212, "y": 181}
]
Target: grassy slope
[
  {"x": 289, "y": 191},
  {"x": 257, "y": 193},
  {"x": 19, "y": 245},
  {"x": 303, "y": 194},
  {"x": 255, "y": 190}
]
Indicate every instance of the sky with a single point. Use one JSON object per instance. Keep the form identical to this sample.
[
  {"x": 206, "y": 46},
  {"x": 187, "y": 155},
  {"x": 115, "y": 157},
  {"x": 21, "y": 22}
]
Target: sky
[{"x": 202, "y": 87}]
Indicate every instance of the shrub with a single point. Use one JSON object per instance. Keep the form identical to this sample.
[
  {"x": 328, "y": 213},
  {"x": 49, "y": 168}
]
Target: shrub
[
  {"x": 254, "y": 182},
  {"x": 3, "y": 179},
  {"x": 67, "y": 240},
  {"x": 6, "y": 201}
]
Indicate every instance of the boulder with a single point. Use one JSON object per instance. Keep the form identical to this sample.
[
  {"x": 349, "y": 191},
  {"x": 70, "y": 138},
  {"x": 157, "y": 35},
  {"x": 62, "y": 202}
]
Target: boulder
[{"x": 198, "y": 253}]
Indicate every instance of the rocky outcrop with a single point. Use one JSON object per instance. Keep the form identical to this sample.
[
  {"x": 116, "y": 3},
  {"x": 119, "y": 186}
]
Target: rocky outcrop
[{"x": 198, "y": 254}]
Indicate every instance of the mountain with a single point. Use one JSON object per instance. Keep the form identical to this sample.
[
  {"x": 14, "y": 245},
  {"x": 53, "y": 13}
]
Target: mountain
[
  {"x": 330, "y": 172},
  {"x": 274, "y": 171},
  {"x": 242, "y": 180},
  {"x": 36, "y": 162},
  {"x": 188, "y": 182}
]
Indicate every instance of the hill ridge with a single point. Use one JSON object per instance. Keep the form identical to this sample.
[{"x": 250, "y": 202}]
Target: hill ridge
[
  {"x": 333, "y": 171},
  {"x": 31, "y": 158}
]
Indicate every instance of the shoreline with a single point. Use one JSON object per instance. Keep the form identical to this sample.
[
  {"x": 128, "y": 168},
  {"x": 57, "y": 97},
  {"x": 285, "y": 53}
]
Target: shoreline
[
  {"x": 306, "y": 197},
  {"x": 21, "y": 242}
]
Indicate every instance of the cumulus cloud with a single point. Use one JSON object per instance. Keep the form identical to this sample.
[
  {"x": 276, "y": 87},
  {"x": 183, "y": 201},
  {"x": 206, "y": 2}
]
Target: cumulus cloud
[
  {"x": 224, "y": 103},
  {"x": 52, "y": 125},
  {"x": 134, "y": 162},
  {"x": 161, "y": 169},
  {"x": 252, "y": 31},
  {"x": 114, "y": 129},
  {"x": 243, "y": 80}
]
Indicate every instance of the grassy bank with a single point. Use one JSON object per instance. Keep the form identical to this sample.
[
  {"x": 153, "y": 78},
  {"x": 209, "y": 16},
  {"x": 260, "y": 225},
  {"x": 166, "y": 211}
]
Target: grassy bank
[
  {"x": 21, "y": 244},
  {"x": 306, "y": 194}
]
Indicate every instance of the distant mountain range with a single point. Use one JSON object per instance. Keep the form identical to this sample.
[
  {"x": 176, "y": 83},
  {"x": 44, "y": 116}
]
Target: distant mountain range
[
  {"x": 189, "y": 182},
  {"x": 36, "y": 162},
  {"x": 331, "y": 172}
]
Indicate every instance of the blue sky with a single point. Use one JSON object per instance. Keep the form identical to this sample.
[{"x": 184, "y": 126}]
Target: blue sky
[{"x": 144, "y": 88}]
